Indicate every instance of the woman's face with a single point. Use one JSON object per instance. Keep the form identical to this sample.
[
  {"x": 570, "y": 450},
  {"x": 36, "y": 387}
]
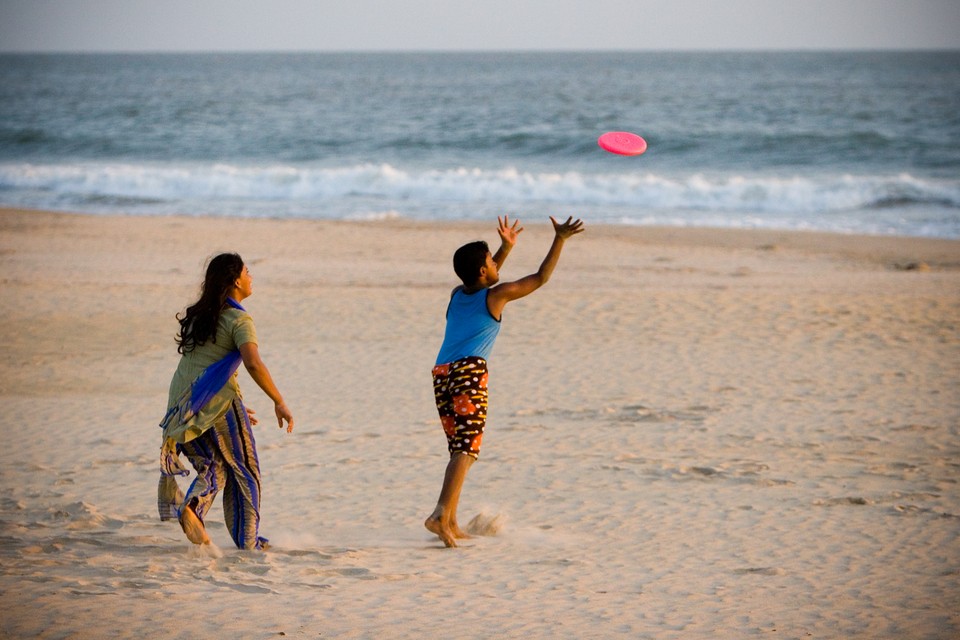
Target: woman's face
[{"x": 244, "y": 283}]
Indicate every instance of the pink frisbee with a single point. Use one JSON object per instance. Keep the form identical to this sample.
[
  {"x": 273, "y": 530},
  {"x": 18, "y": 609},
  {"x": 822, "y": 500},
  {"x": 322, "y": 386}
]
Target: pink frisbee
[{"x": 623, "y": 143}]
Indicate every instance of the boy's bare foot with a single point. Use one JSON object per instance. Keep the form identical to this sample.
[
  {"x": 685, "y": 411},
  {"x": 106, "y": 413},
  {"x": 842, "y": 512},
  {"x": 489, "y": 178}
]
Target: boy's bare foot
[
  {"x": 459, "y": 533},
  {"x": 436, "y": 526},
  {"x": 193, "y": 527}
]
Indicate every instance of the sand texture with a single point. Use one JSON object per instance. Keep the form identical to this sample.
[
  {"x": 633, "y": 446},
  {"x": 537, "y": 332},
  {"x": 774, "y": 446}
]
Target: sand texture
[{"x": 692, "y": 434}]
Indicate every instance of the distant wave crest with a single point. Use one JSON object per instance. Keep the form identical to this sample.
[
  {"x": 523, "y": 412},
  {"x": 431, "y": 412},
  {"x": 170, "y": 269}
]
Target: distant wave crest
[{"x": 131, "y": 183}]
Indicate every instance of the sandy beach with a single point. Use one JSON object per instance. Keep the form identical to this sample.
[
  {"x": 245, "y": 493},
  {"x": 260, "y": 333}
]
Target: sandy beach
[{"x": 693, "y": 433}]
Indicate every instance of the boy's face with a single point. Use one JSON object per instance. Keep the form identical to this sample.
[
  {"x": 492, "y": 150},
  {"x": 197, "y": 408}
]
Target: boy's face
[{"x": 489, "y": 275}]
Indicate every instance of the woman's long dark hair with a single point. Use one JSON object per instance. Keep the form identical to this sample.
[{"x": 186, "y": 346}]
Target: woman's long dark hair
[{"x": 199, "y": 322}]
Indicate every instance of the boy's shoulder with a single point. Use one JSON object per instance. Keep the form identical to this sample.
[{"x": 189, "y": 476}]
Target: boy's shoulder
[{"x": 461, "y": 288}]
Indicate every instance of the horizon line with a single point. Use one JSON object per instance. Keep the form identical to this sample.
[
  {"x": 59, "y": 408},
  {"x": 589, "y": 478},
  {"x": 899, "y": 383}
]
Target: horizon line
[{"x": 857, "y": 49}]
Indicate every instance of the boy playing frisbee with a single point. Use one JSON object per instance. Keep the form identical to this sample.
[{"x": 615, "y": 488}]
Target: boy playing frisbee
[{"x": 460, "y": 375}]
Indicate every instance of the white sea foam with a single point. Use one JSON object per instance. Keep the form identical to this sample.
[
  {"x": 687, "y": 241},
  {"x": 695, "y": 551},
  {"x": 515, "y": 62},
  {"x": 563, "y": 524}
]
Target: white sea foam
[{"x": 370, "y": 191}]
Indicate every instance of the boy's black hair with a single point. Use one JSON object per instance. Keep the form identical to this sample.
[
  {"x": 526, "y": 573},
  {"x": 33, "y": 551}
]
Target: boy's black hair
[{"x": 469, "y": 259}]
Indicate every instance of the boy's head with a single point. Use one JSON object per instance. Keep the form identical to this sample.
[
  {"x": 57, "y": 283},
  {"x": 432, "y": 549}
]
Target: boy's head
[{"x": 469, "y": 259}]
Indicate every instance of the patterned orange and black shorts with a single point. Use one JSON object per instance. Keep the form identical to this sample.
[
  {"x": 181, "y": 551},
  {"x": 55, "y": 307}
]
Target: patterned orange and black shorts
[{"x": 460, "y": 389}]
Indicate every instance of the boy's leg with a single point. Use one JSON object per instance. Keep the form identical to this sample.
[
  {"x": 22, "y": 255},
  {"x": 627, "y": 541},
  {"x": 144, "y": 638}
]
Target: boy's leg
[
  {"x": 443, "y": 519},
  {"x": 461, "y": 394}
]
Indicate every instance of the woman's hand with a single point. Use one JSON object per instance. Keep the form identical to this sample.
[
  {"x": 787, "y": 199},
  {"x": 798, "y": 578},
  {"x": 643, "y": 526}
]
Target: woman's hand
[
  {"x": 283, "y": 413},
  {"x": 250, "y": 415}
]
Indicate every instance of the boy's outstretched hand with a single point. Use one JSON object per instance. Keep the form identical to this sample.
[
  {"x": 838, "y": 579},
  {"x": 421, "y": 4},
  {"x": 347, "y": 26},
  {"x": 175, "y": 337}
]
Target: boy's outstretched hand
[
  {"x": 569, "y": 228},
  {"x": 508, "y": 233}
]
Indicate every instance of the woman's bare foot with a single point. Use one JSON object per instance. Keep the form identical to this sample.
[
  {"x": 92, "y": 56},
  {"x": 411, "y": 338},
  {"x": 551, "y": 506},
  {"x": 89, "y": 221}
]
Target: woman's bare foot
[
  {"x": 193, "y": 527},
  {"x": 436, "y": 525}
]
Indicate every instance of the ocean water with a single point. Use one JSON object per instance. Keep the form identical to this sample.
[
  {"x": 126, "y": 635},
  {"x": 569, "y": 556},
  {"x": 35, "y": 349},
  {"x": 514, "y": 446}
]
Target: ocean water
[{"x": 844, "y": 142}]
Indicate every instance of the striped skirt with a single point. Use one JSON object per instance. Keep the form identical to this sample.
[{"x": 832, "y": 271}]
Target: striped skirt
[{"x": 225, "y": 459}]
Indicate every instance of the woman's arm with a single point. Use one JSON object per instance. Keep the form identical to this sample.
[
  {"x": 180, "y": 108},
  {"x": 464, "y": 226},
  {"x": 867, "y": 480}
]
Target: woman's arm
[{"x": 257, "y": 369}]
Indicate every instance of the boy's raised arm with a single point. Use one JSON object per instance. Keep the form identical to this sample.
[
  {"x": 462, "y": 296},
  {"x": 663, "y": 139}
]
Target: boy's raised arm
[
  {"x": 501, "y": 294},
  {"x": 561, "y": 232},
  {"x": 508, "y": 238}
]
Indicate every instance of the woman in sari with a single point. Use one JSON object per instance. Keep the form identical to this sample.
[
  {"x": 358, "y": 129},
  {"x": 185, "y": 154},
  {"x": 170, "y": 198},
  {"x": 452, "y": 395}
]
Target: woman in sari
[{"x": 206, "y": 420}]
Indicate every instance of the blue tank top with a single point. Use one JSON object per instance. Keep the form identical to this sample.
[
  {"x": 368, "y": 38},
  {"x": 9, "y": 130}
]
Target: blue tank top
[{"x": 471, "y": 330}]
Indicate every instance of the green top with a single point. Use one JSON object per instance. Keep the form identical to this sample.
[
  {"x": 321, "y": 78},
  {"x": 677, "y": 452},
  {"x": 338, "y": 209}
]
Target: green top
[{"x": 234, "y": 329}]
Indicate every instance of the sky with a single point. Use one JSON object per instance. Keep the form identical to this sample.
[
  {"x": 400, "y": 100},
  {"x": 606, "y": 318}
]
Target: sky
[{"x": 469, "y": 25}]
